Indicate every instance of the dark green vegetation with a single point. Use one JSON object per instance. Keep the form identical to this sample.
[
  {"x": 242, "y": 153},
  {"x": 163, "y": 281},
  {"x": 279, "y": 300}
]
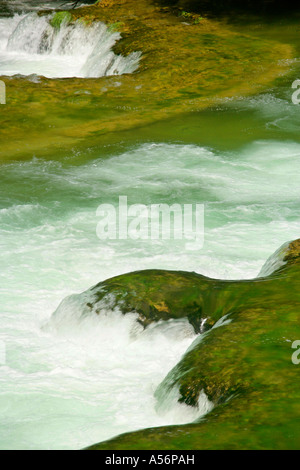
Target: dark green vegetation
[
  {"x": 227, "y": 6},
  {"x": 244, "y": 366}
]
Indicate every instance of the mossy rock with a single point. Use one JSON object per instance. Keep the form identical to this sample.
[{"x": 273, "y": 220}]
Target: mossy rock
[
  {"x": 158, "y": 295},
  {"x": 244, "y": 366},
  {"x": 59, "y": 18}
]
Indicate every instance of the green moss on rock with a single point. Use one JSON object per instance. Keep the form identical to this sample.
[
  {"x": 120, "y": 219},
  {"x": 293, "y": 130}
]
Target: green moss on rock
[
  {"x": 59, "y": 18},
  {"x": 244, "y": 366}
]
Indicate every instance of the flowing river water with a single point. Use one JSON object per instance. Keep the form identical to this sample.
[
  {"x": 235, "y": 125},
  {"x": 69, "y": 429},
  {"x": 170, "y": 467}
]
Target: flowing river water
[{"x": 72, "y": 383}]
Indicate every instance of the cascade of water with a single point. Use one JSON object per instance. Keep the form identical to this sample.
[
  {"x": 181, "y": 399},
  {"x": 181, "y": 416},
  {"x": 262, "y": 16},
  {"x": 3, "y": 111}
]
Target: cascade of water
[{"x": 30, "y": 44}]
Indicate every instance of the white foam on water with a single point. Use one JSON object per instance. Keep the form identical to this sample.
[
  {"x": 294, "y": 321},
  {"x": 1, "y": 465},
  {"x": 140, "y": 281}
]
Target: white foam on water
[
  {"x": 74, "y": 382},
  {"x": 29, "y": 44},
  {"x": 81, "y": 379}
]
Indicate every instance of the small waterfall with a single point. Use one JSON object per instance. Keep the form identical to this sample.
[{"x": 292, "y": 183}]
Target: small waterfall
[
  {"x": 275, "y": 261},
  {"x": 28, "y": 35},
  {"x": 29, "y": 44}
]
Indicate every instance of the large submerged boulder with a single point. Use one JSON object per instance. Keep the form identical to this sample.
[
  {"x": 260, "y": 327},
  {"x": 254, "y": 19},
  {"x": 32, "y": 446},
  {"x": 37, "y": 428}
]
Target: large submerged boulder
[
  {"x": 157, "y": 294},
  {"x": 244, "y": 365},
  {"x": 160, "y": 295}
]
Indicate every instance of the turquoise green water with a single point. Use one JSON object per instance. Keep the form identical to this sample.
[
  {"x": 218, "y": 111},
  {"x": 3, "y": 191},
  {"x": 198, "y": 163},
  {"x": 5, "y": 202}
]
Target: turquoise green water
[{"x": 74, "y": 383}]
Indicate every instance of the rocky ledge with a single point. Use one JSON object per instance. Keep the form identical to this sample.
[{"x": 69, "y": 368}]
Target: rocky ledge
[{"x": 245, "y": 362}]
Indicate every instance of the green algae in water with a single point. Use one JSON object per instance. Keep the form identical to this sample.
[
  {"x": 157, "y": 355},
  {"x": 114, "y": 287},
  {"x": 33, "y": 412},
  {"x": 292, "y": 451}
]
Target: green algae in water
[
  {"x": 59, "y": 18},
  {"x": 172, "y": 54}
]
